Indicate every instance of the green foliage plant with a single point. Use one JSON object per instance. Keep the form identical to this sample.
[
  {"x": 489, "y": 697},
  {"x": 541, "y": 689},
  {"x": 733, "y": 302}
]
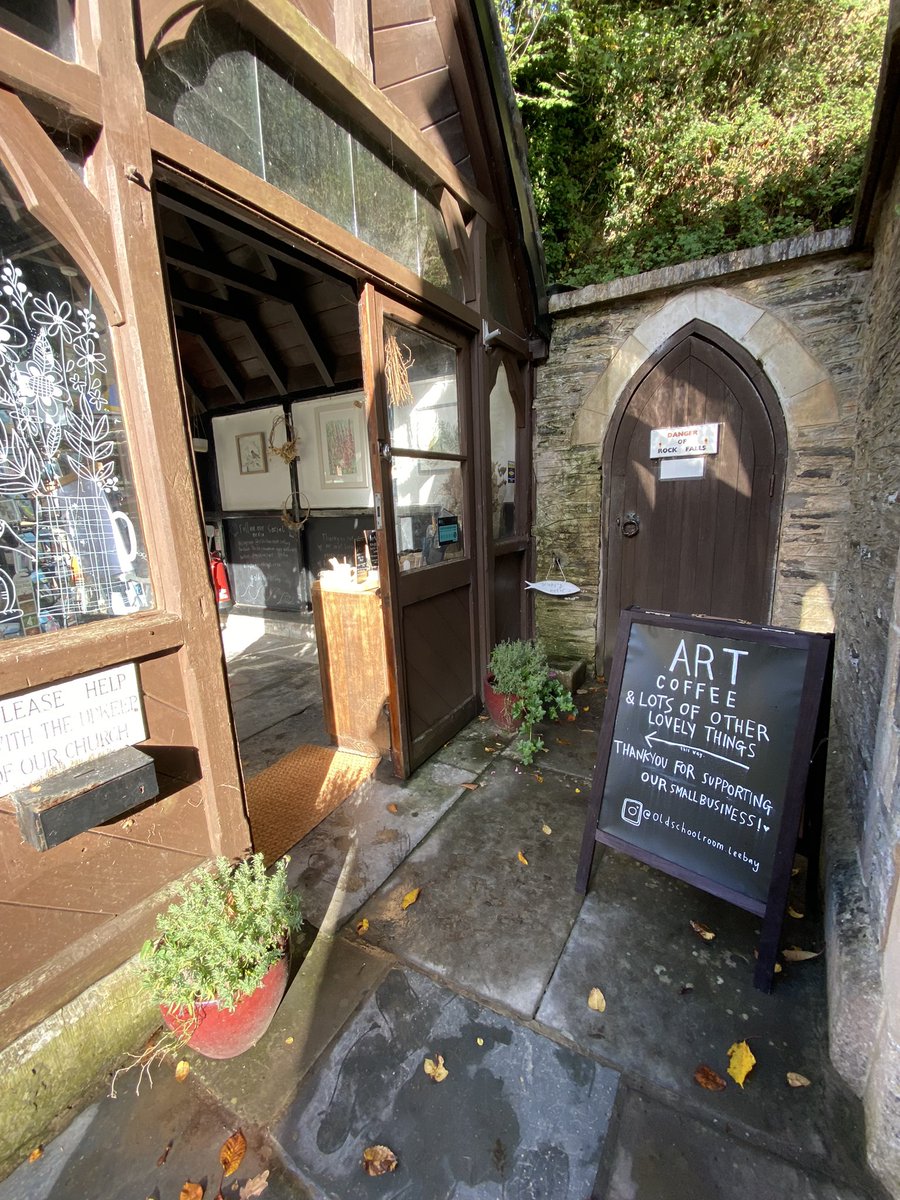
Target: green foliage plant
[
  {"x": 230, "y": 926},
  {"x": 520, "y": 669}
]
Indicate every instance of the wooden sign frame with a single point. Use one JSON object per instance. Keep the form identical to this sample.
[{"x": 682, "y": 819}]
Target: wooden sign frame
[{"x": 804, "y": 777}]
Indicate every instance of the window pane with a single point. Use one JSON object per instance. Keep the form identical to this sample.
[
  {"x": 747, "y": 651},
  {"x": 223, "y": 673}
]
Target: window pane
[
  {"x": 427, "y": 511},
  {"x": 385, "y": 208},
  {"x": 46, "y": 23},
  {"x": 503, "y": 456},
  {"x": 421, "y": 387},
  {"x": 71, "y": 548}
]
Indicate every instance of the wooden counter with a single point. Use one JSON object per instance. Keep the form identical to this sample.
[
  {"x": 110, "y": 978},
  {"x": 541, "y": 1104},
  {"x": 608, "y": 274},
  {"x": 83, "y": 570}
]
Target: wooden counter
[{"x": 353, "y": 666}]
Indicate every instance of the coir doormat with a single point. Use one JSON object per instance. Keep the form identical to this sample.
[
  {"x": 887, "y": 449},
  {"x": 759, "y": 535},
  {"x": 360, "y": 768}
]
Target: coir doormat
[{"x": 292, "y": 796}]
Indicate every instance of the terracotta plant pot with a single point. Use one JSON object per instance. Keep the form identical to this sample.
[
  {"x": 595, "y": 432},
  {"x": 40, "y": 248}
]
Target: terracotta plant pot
[
  {"x": 499, "y": 706},
  {"x": 217, "y": 1033}
]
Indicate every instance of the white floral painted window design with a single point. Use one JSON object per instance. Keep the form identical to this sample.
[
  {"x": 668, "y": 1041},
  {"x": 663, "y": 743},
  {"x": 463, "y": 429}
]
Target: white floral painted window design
[{"x": 71, "y": 549}]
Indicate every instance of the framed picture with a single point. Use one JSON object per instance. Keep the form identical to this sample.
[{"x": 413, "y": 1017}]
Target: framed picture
[
  {"x": 341, "y": 436},
  {"x": 251, "y": 452}
]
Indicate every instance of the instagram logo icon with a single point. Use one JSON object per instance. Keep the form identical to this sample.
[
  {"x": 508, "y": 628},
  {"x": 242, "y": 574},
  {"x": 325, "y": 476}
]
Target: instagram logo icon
[{"x": 632, "y": 811}]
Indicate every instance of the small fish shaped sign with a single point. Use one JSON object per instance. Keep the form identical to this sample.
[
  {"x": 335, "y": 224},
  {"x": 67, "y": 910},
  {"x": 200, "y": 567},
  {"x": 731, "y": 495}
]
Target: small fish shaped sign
[{"x": 553, "y": 587}]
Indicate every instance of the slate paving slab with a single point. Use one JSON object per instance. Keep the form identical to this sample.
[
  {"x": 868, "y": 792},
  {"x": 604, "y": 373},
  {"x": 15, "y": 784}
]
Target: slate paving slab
[
  {"x": 349, "y": 855},
  {"x": 474, "y": 747},
  {"x": 674, "y": 1002},
  {"x": 518, "y": 1115},
  {"x": 486, "y": 921},
  {"x": 271, "y": 704},
  {"x": 660, "y": 1154}
]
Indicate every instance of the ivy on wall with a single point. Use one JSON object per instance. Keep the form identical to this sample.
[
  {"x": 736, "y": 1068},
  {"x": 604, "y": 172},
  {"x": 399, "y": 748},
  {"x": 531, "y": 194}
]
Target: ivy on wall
[{"x": 666, "y": 130}]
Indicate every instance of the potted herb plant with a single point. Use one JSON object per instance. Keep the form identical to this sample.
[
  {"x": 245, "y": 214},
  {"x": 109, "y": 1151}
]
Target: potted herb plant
[
  {"x": 219, "y": 965},
  {"x": 520, "y": 690}
]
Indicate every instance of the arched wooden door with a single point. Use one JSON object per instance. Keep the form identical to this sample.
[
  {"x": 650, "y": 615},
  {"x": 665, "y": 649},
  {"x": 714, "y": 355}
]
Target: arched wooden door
[{"x": 705, "y": 542}]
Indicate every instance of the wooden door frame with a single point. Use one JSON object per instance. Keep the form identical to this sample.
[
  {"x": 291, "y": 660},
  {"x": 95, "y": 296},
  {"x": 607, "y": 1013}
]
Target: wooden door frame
[
  {"x": 375, "y": 306},
  {"x": 757, "y": 377}
]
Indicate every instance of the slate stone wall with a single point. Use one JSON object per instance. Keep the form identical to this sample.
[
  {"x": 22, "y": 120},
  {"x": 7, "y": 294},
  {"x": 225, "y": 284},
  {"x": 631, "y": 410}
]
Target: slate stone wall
[{"x": 800, "y": 318}]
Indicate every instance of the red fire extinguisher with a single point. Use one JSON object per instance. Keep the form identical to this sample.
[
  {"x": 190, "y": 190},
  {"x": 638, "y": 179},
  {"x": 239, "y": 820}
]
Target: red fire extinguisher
[{"x": 220, "y": 580}]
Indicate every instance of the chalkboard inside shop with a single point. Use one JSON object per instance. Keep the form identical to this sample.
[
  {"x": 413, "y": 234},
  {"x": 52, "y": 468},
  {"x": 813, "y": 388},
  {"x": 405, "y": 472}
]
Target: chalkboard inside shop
[
  {"x": 264, "y": 561},
  {"x": 704, "y": 755}
]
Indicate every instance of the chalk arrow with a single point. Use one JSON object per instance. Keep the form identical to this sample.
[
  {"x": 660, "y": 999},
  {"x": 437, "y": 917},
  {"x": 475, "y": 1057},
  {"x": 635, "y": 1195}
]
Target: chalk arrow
[{"x": 650, "y": 738}]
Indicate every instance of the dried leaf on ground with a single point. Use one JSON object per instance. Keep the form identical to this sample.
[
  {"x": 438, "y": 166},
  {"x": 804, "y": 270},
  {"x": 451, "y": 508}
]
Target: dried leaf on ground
[
  {"x": 392, "y": 808},
  {"x": 191, "y": 1191},
  {"x": 796, "y": 1080},
  {"x": 289, "y": 1041},
  {"x": 36, "y": 1154},
  {"x": 489, "y": 749},
  {"x": 410, "y": 898},
  {"x": 378, "y": 1160},
  {"x": 232, "y": 1153},
  {"x": 778, "y": 967},
  {"x": 578, "y": 791},
  {"x": 436, "y": 1070},
  {"x": 479, "y": 1041},
  {"x": 596, "y": 1000},
  {"x": 795, "y": 954},
  {"x": 741, "y": 1062},
  {"x": 709, "y": 1079},
  {"x": 563, "y": 742},
  {"x": 182, "y": 1070},
  {"x": 571, "y": 717},
  {"x": 362, "y": 926},
  {"x": 522, "y": 859},
  {"x": 161, "y": 1161},
  {"x": 128, "y": 824},
  {"x": 255, "y": 1186},
  {"x": 703, "y": 931},
  {"x": 470, "y": 787},
  {"x": 795, "y": 913},
  {"x": 546, "y": 829}
]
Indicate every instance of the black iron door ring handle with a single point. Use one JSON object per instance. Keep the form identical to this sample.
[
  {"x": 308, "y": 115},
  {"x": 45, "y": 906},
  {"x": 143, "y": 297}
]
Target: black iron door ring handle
[{"x": 631, "y": 524}]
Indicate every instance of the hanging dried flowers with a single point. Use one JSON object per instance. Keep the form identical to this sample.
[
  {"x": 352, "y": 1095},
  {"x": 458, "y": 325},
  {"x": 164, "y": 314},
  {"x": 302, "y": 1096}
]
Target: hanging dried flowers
[
  {"x": 396, "y": 372},
  {"x": 290, "y": 447},
  {"x": 287, "y": 511}
]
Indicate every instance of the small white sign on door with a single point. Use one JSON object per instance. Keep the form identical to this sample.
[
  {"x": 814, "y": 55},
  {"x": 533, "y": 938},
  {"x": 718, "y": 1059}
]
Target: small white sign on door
[
  {"x": 44, "y": 731},
  {"x": 682, "y": 441}
]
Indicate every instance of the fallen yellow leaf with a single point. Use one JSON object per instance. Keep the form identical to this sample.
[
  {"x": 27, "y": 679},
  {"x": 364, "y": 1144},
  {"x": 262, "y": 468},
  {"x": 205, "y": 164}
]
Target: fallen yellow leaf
[
  {"x": 796, "y": 955},
  {"x": 596, "y": 1000},
  {"x": 703, "y": 931},
  {"x": 191, "y": 1191},
  {"x": 489, "y": 749},
  {"x": 378, "y": 1160},
  {"x": 36, "y": 1154},
  {"x": 182, "y": 1070},
  {"x": 740, "y": 1062},
  {"x": 709, "y": 1079},
  {"x": 232, "y": 1153},
  {"x": 539, "y": 778},
  {"x": 392, "y": 808},
  {"x": 410, "y": 898},
  {"x": 363, "y": 926},
  {"x": 792, "y": 912},
  {"x": 578, "y": 791},
  {"x": 522, "y": 859},
  {"x": 128, "y": 824},
  {"x": 546, "y": 829},
  {"x": 479, "y": 1041},
  {"x": 795, "y": 1080},
  {"x": 436, "y": 1070}
]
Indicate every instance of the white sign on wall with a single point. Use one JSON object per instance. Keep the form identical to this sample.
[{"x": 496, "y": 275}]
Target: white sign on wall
[
  {"x": 681, "y": 441},
  {"x": 46, "y": 730}
]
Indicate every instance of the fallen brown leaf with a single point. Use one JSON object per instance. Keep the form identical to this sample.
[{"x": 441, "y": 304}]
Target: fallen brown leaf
[
  {"x": 161, "y": 1161},
  {"x": 36, "y": 1154},
  {"x": 255, "y": 1186},
  {"x": 563, "y": 742},
  {"x": 362, "y": 926},
  {"x": 182, "y": 1070},
  {"x": 392, "y": 808},
  {"x": 797, "y": 1081},
  {"x": 703, "y": 931},
  {"x": 522, "y": 859},
  {"x": 191, "y": 1191},
  {"x": 709, "y": 1079},
  {"x": 596, "y": 1000},
  {"x": 232, "y": 1153},
  {"x": 794, "y": 954},
  {"x": 378, "y": 1160},
  {"x": 571, "y": 717},
  {"x": 470, "y": 787},
  {"x": 740, "y": 1062},
  {"x": 436, "y": 1070},
  {"x": 410, "y": 898},
  {"x": 539, "y": 778}
]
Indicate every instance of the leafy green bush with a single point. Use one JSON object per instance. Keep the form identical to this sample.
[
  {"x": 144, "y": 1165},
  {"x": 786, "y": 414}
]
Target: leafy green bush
[
  {"x": 520, "y": 669},
  {"x": 230, "y": 926},
  {"x": 664, "y": 131}
]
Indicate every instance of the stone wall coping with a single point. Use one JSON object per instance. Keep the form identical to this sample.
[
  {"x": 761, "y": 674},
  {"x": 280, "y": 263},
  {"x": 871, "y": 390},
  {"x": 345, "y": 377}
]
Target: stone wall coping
[{"x": 683, "y": 274}]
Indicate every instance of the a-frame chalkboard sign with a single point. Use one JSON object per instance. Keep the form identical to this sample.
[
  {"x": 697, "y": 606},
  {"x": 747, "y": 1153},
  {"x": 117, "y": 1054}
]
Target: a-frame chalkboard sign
[{"x": 704, "y": 757}]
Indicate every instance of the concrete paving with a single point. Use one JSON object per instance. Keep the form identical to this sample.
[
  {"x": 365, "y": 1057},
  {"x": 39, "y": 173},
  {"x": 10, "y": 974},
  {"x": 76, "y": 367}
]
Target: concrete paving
[{"x": 491, "y": 968}]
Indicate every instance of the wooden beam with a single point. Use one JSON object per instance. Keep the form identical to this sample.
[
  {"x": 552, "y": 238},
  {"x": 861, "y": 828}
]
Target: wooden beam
[
  {"x": 204, "y": 333},
  {"x": 265, "y": 348},
  {"x": 192, "y": 160},
  {"x": 217, "y": 268},
  {"x": 69, "y": 87},
  {"x": 310, "y": 334}
]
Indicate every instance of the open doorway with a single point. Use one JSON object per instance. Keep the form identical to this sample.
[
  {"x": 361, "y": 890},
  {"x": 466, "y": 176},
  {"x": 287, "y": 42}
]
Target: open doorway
[{"x": 269, "y": 348}]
